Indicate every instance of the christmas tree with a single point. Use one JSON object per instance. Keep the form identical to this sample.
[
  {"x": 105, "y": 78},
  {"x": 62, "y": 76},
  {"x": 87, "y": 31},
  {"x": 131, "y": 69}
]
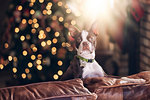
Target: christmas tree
[{"x": 35, "y": 46}]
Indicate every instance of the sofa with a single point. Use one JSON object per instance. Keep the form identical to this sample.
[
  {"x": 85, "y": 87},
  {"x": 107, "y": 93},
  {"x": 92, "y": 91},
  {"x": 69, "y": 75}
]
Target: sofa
[{"x": 98, "y": 88}]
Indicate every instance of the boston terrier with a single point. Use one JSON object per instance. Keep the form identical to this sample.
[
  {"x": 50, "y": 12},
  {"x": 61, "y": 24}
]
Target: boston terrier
[{"x": 84, "y": 64}]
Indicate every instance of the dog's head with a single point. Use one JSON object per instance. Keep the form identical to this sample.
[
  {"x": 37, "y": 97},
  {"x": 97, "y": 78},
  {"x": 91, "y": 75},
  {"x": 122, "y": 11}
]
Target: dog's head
[{"x": 85, "y": 42}]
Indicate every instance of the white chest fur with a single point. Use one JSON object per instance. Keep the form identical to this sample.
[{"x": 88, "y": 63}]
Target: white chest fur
[{"x": 92, "y": 70}]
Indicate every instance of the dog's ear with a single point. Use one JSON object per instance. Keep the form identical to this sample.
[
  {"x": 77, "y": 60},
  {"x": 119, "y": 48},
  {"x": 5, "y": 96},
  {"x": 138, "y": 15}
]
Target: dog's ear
[
  {"x": 74, "y": 31},
  {"x": 94, "y": 29}
]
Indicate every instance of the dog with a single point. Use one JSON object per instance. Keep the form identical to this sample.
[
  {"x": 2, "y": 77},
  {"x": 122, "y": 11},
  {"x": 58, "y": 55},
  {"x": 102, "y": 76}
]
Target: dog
[{"x": 84, "y": 64}]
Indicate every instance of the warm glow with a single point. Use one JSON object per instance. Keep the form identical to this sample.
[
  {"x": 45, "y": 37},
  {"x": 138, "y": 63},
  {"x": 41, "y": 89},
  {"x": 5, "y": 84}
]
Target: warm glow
[
  {"x": 49, "y": 42},
  {"x": 27, "y": 70},
  {"x": 14, "y": 70},
  {"x": 36, "y": 25},
  {"x": 48, "y": 29},
  {"x": 60, "y": 72},
  {"x": 57, "y": 34},
  {"x": 24, "y": 21},
  {"x": 15, "y": 59},
  {"x": 49, "y": 12},
  {"x": 33, "y": 57},
  {"x": 54, "y": 17},
  {"x": 24, "y": 52},
  {"x": 19, "y": 8},
  {"x": 10, "y": 58},
  {"x": 33, "y": 30},
  {"x": 68, "y": 11},
  {"x": 34, "y": 49},
  {"x": 29, "y": 76},
  {"x": 34, "y": 20},
  {"x": 66, "y": 25},
  {"x": 41, "y": 1},
  {"x": 60, "y": 63},
  {"x": 54, "y": 40},
  {"x": 44, "y": 12},
  {"x": 30, "y": 21},
  {"x": 16, "y": 29},
  {"x": 38, "y": 62},
  {"x": 1, "y": 66},
  {"x": 33, "y": 1},
  {"x": 43, "y": 43},
  {"x": 32, "y": 12},
  {"x": 39, "y": 67},
  {"x": 55, "y": 77},
  {"x": 73, "y": 22},
  {"x": 60, "y": 3},
  {"x": 54, "y": 49},
  {"x": 6, "y": 45},
  {"x": 63, "y": 44},
  {"x": 61, "y": 19},
  {"x": 39, "y": 56},
  {"x": 28, "y": 37},
  {"x": 24, "y": 75},
  {"x": 49, "y": 4},
  {"x": 22, "y": 38},
  {"x": 41, "y": 32},
  {"x": 30, "y": 64}
]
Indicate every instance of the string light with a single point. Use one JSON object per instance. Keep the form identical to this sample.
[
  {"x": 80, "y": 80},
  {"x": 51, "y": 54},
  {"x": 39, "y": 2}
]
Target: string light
[
  {"x": 33, "y": 1},
  {"x": 44, "y": 12},
  {"x": 31, "y": 4},
  {"x": 28, "y": 37},
  {"x": 60, "y": 63},
  {"x": 68, "y": 11},
  {"x": 43, "y": 43},
  {"x": 48, "y": 29},
  {"x": 61, "y": 19},
  {"x": 34, "y": 20},
  {"x": 24, "y": 21},
  {"x": 1, "y": 66},
  {"x": 34, "y": 49},
  {"x": 63, "y": 44},
  {"x": 27, "y": 70},
  {"x": 49, "y": 12},
  {"x": 16, "y": 29},
  {"x": 29, "y": 76},
  {"x": 36, "y": 25},
  {"x": 39, "y": 67},
  {"x": 49, "y": 42},
  {"x": 54, "y": 40},
  {"x": 60, "y": 3},
  {"x": 15, "y": 59},
  {"x": 14, "y": 70},
  {"x": 33, "y": 57},
  {"x": 10, "y": 58},
  {"x": 54, "y": 17},
  {"x": 30, "y": 21},
  {"x": 60, "y": 72},
  {"x": 33, "y": 30},
  {"x": 73, "y": 22},
  {"x": 32, "y": 12},
  {"x": 25, "y": 53},
  {"x": 41, "y": 1},
  {"x": 55, "y": 76},
  {"x": 66, "y": 25},
  {"x": 23, "y": 75},
  {"x": 6, "y": 45},
  {"x": 49, "y": 4},
  {"x": 38, "y": 62},
  {"x": 39, "y": 56},
  {"x": 30, "y": 64},
  {"x": 57, "y": 34},
  {"x": 54, "y": 49},
  {"x": 19, "y": 8},
  {"x": 22, "y": 38}
]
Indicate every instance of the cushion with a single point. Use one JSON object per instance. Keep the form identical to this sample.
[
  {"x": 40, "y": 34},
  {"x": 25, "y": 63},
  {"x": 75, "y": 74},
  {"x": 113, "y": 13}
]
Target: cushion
[{"x": 45, "y": 90}]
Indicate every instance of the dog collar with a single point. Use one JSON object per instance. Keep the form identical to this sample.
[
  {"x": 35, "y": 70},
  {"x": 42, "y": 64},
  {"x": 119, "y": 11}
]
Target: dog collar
[{"x": 86, "y": 60}]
